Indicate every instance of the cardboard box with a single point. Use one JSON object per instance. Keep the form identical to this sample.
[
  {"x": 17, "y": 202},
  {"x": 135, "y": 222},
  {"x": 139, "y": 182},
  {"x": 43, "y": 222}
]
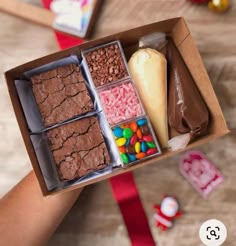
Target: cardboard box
[{"x": 177, "y": 28}]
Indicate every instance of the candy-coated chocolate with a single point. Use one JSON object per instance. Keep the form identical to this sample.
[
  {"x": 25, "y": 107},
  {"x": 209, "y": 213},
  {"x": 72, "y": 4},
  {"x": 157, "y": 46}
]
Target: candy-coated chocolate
[
  {"x": 144, "y": 147},
  {"x": 125, "y": 126},
  {"x": 139, "y": 134},
  {"x": 132, "y": 157},
  {"x": 148, "y": 138},
  {"x": 130, "y": 149},
  {"x": 140, "y": 155},
  {"x": 151, "y": 151},
  {"x": 133, "y": 125},
  {"x": 134, "y": 139},
  {"x": 137, "y": 147},
  {"x": 120, "y": 142},
  {"x": 124, "y": 158},
  {"x": 118, "y": 132},
  {"x": 127, "y": 133},
  {"x": 127, "y": 142},
  {"x": 141, "y": 122},
  {"x": 151, "y": 145},
  {"x": 122, "y": 149},
  {"x": 145, "y": 130}
]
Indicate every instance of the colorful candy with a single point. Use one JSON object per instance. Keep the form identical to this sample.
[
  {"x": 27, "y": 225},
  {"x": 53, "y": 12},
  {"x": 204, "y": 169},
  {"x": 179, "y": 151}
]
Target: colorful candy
[
  {"x": 141, "y": 122},
  {"x": 145, "y": 130},
  {"x": 122, "y": 149},
  {"x": 130, "y": 149},
  {"x": 133, "y": 125},
  {"x": 148, "y": 138},
  {"x": 137, "y": 147},
  {"x": 127, "y": 142},
  {"x": 136, "y": 141},
  {"x": 127, "y": 133},
  {"x": 132, "y": 157},
  {"x": 151, "y": 145},
  {"x": 120, "y": 141},
  {"x": 144, "y": 147},
  {"x": 118, "y": 132},
  {"x": 140, "y": 155},
  {"x": 151, "y": 151},
  {"x": 124, "y": 158},
  {"x": 139, "y": 134}
]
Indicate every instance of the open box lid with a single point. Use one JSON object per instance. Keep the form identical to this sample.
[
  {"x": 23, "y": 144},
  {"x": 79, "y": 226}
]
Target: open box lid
[{"x": 178, "y": 30}]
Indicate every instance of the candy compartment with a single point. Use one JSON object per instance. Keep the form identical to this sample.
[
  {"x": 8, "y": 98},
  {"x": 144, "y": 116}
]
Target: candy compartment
[
  {"x": 120, "y": 102},
  {"x": 135, "y": 140},
  {"x": 105, "y": 64}
]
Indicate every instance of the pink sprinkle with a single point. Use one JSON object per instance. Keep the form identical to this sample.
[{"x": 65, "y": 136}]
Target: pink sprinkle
[{"x": 120, "y": 103}]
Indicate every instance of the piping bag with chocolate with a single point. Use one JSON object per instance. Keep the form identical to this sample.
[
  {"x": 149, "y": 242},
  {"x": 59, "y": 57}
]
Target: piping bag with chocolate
[
  {"x": 148, "y": 69},
  {"x": 187, "y": 112}
]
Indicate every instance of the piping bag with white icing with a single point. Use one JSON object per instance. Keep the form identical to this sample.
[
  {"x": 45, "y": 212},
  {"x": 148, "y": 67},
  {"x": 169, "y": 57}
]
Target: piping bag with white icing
[
  {"x": 148, "y": 69},
  {"x": 187, "y": 112}
]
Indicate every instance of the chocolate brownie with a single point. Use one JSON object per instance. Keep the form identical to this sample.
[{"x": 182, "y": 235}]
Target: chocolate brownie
[
  {"x": 61, "y": 94},
  {"x": 78, "y": 148},
  {"x": 106, "y": 64}
]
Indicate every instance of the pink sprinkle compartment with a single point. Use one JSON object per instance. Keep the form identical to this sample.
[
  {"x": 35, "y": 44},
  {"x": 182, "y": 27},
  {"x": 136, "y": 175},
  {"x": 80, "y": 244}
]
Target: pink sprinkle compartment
[{"x": 140, "y": 110}]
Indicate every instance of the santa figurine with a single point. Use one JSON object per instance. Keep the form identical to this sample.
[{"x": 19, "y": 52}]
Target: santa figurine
[{"x": 166, "y": 212}]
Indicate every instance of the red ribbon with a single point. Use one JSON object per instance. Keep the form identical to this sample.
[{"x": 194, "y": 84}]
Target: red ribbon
[
  {"x": 126, "y": 194},
  {"x": 123, "y": 186}
]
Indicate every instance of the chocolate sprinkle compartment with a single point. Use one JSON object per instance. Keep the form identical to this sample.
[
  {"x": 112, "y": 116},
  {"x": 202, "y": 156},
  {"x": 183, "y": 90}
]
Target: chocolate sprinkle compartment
[{"x": 106, "y": 63}]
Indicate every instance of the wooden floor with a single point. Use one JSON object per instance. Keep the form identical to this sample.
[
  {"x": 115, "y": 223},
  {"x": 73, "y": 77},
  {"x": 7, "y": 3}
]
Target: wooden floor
[{"x": 95, "y": 218}]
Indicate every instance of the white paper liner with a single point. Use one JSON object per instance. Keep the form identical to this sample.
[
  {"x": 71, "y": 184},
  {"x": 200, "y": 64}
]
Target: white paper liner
[
  {"x": 46, "y": 161},
  {"x": 88, "y": 78},
  {"x": 110, "y": 142},
  {"x": 73, "y": 59},
  {"x": 29, "y": 105}
]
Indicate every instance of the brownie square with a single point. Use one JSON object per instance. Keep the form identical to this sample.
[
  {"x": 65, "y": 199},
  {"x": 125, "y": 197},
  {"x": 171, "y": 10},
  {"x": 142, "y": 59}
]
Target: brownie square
[
  {"x": 78, "y": 148},
  {"x": 106, "y": 64},
  {"x": 61, "y": 94}
]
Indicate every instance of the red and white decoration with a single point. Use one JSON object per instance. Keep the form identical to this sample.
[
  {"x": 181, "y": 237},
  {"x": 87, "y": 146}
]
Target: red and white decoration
[
  {"x": 166, "y": 212},
  {"x": 200, "y": 172}
]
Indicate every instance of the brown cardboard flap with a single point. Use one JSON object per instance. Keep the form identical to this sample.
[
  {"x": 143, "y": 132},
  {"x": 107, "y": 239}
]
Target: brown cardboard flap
[{"x": 180, "y": 32}]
